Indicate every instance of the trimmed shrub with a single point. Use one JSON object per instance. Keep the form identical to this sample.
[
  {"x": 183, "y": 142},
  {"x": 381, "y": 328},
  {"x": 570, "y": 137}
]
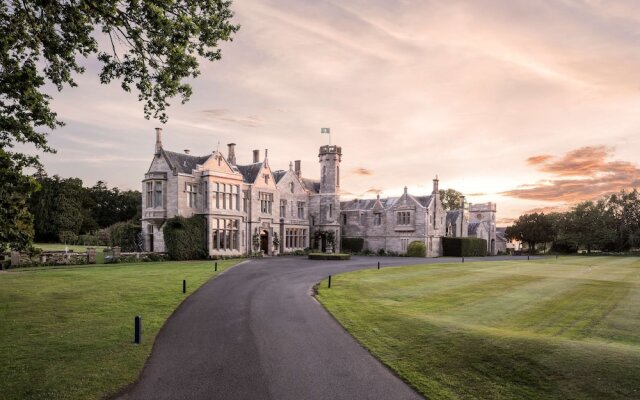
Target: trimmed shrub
[
  {"x": 125, "y": 235},
  {"x": 326, "y": 256},
  {"x": 352, "y": 245},
  {"x": 464, "y": 247},
  {"x": 186, "y": 238},
  {"x": 417, "y": 249}
]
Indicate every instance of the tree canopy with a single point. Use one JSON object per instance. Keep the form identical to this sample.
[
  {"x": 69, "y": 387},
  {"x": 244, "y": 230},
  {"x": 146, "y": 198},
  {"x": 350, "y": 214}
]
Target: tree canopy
[
  {"x": 450, "y": 199},
  {"x": 152, "y": 48}
]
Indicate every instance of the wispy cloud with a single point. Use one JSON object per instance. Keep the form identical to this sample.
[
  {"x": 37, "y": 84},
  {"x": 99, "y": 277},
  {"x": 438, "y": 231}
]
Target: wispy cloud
[
  {"x": 362, "y": 171},
  {"x": 250, "y": 121},
  {"x": 581, "y": 174}
]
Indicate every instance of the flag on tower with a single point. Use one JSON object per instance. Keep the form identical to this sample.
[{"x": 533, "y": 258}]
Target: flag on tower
[{"x": 325, "y": 130}]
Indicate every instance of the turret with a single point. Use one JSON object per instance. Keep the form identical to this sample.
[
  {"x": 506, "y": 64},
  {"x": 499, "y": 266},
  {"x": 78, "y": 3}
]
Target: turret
[{"x": 330, "y": 157}]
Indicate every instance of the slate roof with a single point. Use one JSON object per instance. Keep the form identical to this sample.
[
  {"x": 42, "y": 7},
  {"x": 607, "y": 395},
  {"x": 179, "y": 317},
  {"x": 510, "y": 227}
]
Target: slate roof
[
  {"x": 250, "y": 172},
  {"x": 311, "y": 185},
  {"x": 277, "y": 175},
  {"x": 184, "y": 163},
  {"x": 423, "y": 200},
  {"x": 452, "y": 216},
  {"x": 473, "y": 228}
]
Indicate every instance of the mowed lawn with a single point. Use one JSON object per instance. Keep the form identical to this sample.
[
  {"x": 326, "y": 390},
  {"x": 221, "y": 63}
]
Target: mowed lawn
[
  {"x": 67, "y": 333},
  {"x": 544, "y": 329}
]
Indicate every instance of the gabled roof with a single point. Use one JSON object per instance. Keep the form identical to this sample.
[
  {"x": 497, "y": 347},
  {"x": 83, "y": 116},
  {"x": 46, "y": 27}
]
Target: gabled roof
[
  {"x": 311, "y": 185},
  {"x": 279, "y": 174},
  {"x": 184, "y": 163},
  {"x": 250, "y": 172},
  {"x": 423, "y": 200},
  {"x": 357, "y": 204}
]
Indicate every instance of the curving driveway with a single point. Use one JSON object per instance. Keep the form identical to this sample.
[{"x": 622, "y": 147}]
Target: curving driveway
[{"x": 255, "y": 332}]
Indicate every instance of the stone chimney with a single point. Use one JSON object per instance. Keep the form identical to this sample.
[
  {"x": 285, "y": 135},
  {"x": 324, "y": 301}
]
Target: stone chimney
[
  {"x": 256, "y": 156},
  {"x": 298, "y": 168},
  {"x": 435, "y": 185},
  {"x": 187, "y": 151},
  {"x": 158, "y": 140},
  {"x": 231, "y": 154},
  {"x": 462, "y": 201}
]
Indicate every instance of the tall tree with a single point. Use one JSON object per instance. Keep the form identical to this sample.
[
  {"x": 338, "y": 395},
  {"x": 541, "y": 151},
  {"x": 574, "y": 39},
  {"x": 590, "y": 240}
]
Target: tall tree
[
  {"x": 152, "y": 46},
  {"x": 625, "y": 208},
  {"x": 592, "y": 225},
  {"x": 450, "y": 199},
  {"x": 531, "y": 229}
]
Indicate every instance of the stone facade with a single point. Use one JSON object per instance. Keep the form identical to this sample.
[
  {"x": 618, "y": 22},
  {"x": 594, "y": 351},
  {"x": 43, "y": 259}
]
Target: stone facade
[{"x": 248, "y": 206}]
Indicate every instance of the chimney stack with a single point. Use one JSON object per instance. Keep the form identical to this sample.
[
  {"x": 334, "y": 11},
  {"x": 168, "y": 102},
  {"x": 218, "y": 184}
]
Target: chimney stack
[
  {"x": 298, "y": 168},
  {"x": 187, "y": 151},
  {"x": 231, "y": 156},
  {"x": 435, "y": 185},
  {"x": 462, "y": 201},
  {"x": 256, "y": 156},
  {"x": 158, "y": 140}
]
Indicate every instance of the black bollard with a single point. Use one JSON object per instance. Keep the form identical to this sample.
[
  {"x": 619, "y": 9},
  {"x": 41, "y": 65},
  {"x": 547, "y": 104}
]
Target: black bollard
[
  {"x": 463, "y": 259},
  {"x": 329, "y": 286},
  {"x": 215, "y": 268},
  {"x": 527, "y": 257},
  {"x": 184, "y": 286},
  {"x": 378, "y": 264},
  {"x": 137, "y": 329}
]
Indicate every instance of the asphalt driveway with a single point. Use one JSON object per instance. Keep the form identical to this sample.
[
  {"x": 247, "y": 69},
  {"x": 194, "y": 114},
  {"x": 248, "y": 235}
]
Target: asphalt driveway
[{"x": 255, "y": 332}]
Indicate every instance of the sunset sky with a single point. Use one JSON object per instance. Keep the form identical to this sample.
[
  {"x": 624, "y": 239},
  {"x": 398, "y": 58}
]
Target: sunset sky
[{"x": 530, "y": 104}]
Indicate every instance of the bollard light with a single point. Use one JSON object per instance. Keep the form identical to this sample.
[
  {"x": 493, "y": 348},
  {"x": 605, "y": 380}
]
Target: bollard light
[
  {"x": 329, "y": 285},
  {"x": 184, "y": 286},
  {"x": 137, "y": 329}
]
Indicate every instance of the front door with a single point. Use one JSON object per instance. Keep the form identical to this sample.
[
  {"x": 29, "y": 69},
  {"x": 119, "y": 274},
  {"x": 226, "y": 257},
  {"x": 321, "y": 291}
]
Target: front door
[{"x": 264, "y": 242}]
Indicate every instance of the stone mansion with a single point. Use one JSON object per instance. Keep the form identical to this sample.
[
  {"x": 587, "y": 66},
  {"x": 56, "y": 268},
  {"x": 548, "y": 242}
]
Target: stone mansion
[{"x": 252, "y": 207}]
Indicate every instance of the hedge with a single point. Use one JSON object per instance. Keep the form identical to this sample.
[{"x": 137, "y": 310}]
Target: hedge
[
  {"x": 352, "y": 245},
  {"x": 464, "y": 247},
  {"x": 417, "y": 249},
  {"x": 125, "y": 235},
  {"x": 186, "y": 238},
  {"x": 327, "y": 256}
]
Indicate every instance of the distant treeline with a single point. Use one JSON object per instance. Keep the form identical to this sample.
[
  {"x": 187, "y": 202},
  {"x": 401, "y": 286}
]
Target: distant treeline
[
  {"x": 64, "y": 210},
  {"x": 609, "y": 224}
]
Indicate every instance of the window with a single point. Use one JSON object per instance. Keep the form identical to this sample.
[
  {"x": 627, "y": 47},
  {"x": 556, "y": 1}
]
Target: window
[
  {"x": 227, "y": 196},
  {"x": 313, "y": 220},
  {"x": 344, "y": 219},
  {"x": 283, "y": 208},
  {"x": 324, "y": 170},
  {"x": 337, "y": 176},
  {"x": 291, "y": 187},
  {"x": 245, "y": 200},
  {"x": 238, "y": 197},
  {"x": 295, "y": 238},
  {"x": 149, "y": 194},
  {"x": 205, "y": 194},
  {"x": 266, "y": 178},
  {"x": 377, "y": 219},
  {"x": 266, "y": 202},
  {"x": 157, "y": 201},
  {"x": 404, "y": 243},
  {"x": 330, "y": 211},
  {"x": 192, "y": 195},
  {"x": 403, "y": 218},
  {"x": 225, "y": 234},
  {"x": 301, "y": 205},
  {"x": 362, "y": 219}
]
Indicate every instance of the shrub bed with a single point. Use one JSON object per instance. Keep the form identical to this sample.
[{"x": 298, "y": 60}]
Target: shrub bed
[
  {"x": 326, "y": 256},
  {"x": 417, "y": 249},
  {"x": 464, "y": 247}
]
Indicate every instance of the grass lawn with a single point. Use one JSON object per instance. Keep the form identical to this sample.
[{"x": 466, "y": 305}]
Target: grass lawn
[
  {"x": 544, "y": 329},
  {"x": 67, "y": 333},
  {"x": 76, "y": 248}
]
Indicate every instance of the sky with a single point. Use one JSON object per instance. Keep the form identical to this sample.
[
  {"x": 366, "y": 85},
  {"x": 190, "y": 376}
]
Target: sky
[{"x": 534, "y": 105}]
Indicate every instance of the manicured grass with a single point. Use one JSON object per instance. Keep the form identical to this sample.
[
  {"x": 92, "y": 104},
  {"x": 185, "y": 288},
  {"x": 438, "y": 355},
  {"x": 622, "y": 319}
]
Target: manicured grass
[
  {"x": 68, "y": 333},
  {"x": 544, "y": 329}
]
